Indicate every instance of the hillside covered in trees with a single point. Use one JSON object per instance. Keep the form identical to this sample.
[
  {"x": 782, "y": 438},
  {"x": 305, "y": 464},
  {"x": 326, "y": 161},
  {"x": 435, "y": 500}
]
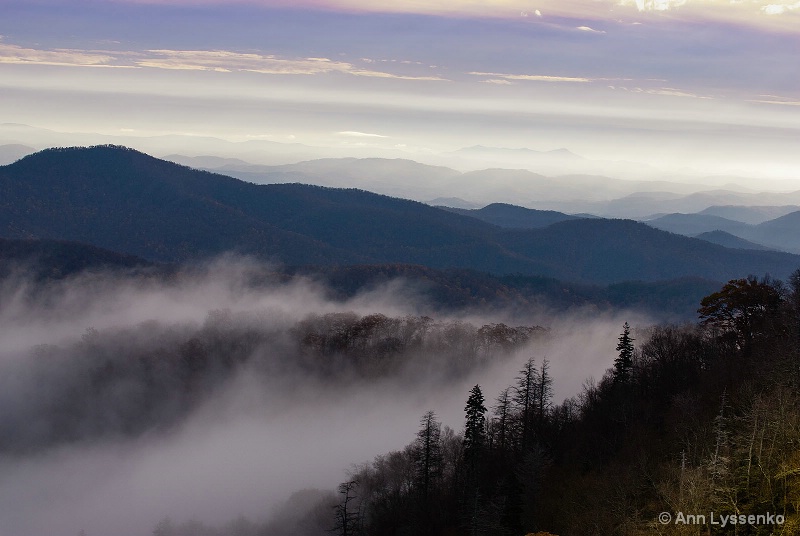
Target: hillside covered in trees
[
  {"x": 129, "y": 381},
  {"x": 126, "y": 201},
  {"x": 371, "y": 298},
  {"x": 689, "y": 420},
  {"x": 694, "y": 429},
  {"x": 43, "y": 263}
]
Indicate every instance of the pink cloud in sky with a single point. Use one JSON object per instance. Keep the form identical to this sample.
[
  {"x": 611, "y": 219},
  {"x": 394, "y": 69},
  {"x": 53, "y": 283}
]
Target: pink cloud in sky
[{"x": 780, "y": 15}]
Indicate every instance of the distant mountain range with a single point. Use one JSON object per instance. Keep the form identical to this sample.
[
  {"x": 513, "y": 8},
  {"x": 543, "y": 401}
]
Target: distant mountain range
[
  {"x": 14, "y": 151},
  {"x": 557, "y": 180},
  {"x": 126, "y": 201},
  {"x": 750, "y": 214},
  {"x": 560, "y": 161},
  {"x": 547, "y": 189},
  {"x": 642, "y": 205},
  {"x": 730, "y": 241},
  {"x": 514, "y": 217},
  {"x": 782, "y": 233},
  {"x": 694, "y": 224}
]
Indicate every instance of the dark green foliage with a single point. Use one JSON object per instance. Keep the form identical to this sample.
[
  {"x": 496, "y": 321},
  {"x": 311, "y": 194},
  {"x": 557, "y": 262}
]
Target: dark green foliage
[
  {"x": 706, "y": 426},
  {"x": 623, "y": 364},
  {"x": 743, "y": 310},
  {"x": 475, "y": 427}
]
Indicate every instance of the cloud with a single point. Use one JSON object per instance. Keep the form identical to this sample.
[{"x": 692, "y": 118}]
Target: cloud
[
  {"x": 533, "y": 77},
  {"x": 277, "y": 422},
  {"x": 665, "y": 91},
  {"x": 60, "y": 57},
  {"x": 228, "y": 61},
  {"x": 224, "y": 61},
  {"x": 673, "y": 92},
  {"x": 780, "y": 9},
  {"x": 746, "y": 12},
  {"x": 775, "y": 99},
  {"x": 654, "y": 5},
  {"x": 355, "y": 134},
  {"x": 739, "y": 11},
  {"x": 590, "y": 30}
]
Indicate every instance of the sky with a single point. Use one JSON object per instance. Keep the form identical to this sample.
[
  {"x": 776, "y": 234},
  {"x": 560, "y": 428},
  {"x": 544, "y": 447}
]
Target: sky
[{"x": 684, "y": 85}]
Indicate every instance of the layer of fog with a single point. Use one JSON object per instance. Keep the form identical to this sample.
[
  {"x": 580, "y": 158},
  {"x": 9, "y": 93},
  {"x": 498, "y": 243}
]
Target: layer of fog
[{"x": 259, "y": 438}]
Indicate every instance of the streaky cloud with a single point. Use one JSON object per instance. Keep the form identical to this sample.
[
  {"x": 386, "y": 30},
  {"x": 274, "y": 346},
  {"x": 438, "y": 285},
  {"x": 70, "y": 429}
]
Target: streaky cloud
[
  {"x": 58, "y": 57},
  {"x": 224, "y": 61},
  {"x": 355, "y": 134},
  {"x": 533, "y": 77},
  {"x": 781, "y": 16}
]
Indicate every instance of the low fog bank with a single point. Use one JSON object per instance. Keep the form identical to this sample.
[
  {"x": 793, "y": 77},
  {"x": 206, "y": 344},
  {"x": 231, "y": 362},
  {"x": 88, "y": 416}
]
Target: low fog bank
[{"x": 124, "y": 401}]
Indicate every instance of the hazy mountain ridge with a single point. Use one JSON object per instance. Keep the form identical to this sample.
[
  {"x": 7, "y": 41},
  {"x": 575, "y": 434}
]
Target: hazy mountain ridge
[
  {"x": 750, "y": 214},
  {"x": 780, "y": 233},
  {"x": 730, "y": 241},
  {"x": 694, "y": 224},
  {"x": 397, "y": 177},
  {"x": 257, "y": 160},
  {"x": 543, "y": 189},
  {"x": 512, "y": 216},
  {"x": 127, "y": 201},
  {"x": 12, "y": 152},
  {"x": 642, "y": 205},
  {"x": 620, "y": 250}
]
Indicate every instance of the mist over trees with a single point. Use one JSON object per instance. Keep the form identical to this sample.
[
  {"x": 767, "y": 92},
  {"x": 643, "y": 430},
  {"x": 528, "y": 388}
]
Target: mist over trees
[
  {"x": 688, "y": 418},
  {"x": 161, "y": 367},
  {"x": 696, "y": 419},
  {"x": 129, "y": 380},
  {"x": 156, "y": 374}
]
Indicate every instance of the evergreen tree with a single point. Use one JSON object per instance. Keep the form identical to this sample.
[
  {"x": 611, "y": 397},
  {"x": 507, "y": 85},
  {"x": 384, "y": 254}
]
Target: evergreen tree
[
  {"x": 475, "y": 428},
  {"x": 623, "y": 365}
]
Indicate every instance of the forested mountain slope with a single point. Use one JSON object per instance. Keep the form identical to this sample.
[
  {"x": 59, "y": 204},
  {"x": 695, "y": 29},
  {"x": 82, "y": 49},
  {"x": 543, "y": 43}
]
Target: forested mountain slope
[{"x": 126, "y": 201}]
